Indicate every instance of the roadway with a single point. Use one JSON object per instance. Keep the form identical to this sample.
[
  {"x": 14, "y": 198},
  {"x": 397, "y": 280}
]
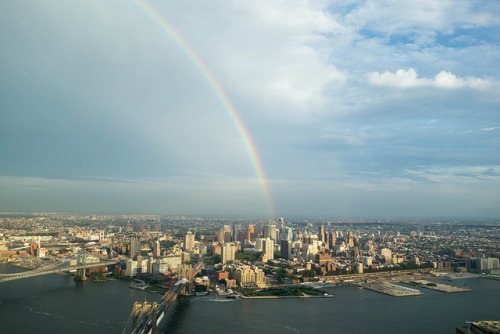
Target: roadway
[
  {"x": 145, "y": 324},
  {"x": 54, "y": 268}
]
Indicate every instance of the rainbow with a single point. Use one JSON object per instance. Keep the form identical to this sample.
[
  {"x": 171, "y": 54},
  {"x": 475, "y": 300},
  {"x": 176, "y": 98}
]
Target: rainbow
[{"x": 219, "y": 92}]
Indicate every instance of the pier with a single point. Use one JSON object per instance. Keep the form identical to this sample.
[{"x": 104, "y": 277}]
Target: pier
[
  {"x": 392, "y": 289},
  {"x": 437, "y": 286}
]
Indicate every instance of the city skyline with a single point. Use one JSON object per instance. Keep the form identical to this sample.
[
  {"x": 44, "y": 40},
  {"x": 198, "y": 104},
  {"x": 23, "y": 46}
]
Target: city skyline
[{"x": 296, "y": 109}]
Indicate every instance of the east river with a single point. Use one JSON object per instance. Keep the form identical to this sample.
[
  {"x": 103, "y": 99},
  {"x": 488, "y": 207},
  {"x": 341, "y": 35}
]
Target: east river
[{"x": 57, "y": 304}]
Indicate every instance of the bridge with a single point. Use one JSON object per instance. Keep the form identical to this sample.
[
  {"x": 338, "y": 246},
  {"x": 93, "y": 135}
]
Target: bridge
[
  {"x": 60, "y": 266},
  {"x": 146, "y": 316}
]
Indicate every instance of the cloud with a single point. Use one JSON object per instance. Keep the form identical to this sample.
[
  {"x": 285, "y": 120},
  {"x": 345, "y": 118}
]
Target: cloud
[
  {"x": 397, "y": 17},
  {"x": 409, "y": 79},
  {"x": 345, "y": 101},
  {"x": 457, "y": 174},
  {"x": 275, "y": 51}
]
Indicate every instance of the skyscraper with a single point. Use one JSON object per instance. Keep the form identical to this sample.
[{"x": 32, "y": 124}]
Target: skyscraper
[
  {"x": 135, "y": 247},
  {"x": 189, "y": 241},
  {"x": 156, "y": 249},
  {"x": 228, "y": 253},
  {"x": 252, "y": 232},
  {"x": 322, "y": 234},
  {"x": 286, "y": 233},
  {"x": 236, "y": 230},
  {"x": 286, "y": 249},
  {"x": 270, "y": 232},
  {"x": 332, "y": 240},
  {"x": 224, "y": 234},
  {"x": 268, "y": 248}
]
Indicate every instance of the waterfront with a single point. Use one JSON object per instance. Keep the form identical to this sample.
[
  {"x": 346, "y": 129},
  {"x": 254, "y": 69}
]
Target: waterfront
[{"x": 56, "y": 303}]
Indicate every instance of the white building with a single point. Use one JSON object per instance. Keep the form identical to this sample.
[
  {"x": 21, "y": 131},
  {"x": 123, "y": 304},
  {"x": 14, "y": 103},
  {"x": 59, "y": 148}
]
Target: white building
[{"x": 228, "y": 253}]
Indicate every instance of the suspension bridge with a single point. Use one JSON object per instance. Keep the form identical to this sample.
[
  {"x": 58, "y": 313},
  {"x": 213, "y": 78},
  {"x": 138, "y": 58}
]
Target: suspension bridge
[
  {"x": 147, "y": 316},
  {"x": 61, "y": 266}
]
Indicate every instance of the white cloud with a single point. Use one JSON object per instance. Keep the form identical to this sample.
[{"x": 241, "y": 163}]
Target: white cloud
[
  {"x": 397, "y": 16},
  {"x": 409, "y": 79}
]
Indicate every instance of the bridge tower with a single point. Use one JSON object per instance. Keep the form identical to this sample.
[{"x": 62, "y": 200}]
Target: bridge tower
[
  {"x": 141, "y": 313},
  {"x": 80, "y": 273}
]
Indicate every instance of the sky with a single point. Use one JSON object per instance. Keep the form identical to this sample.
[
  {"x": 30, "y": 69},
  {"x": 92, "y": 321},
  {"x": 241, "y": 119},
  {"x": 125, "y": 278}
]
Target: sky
[{"x": 342, "y": 109}]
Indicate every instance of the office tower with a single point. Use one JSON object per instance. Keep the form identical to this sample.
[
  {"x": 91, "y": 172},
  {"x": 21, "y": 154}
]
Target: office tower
[
  {"x": 322, "y": 234},
  {"x": 189, "y": 241},
  {"x": 270, "y": 232},
  {"x": 286, "y": 249},
  {"x": 268, "y": 248},
  {"x": 242, "y": 236},
  {"x": 252, "y": 232},
  {"x": 350, "y": 240},
  {"x": 139, "y": 264},
  {"x": 224, "y": 234},
  {"x": 286, "y": 233},
  {"x": 281, "y": 222},
  {"x": 131, "y": 267},
  {"x": 386, "y": 252},
  {"x": 332, "y": 240},
  {"x": 135, "y": 247},
  {"x": 157, "y": 249},
  {"x": 259, "y": 244},
  {"x": 367, "y": 260},
  {"x": 228, "y": 253},
  {"x": 236, "y": 230}
]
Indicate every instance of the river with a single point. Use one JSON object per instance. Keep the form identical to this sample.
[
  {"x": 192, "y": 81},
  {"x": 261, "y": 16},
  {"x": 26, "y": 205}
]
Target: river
[{"x": 57, "y": 304}]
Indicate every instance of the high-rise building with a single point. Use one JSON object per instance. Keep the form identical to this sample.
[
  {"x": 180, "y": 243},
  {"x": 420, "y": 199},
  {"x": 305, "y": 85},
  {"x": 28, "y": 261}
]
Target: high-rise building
[
  {"x": 135, "y": 247},
  {"x": 482, "y": 264},
  {"x": 367, "y": 260},
  {"x": 189, "y": 241},
  {"x": 286, "y": 233},
  {"x": 259, "y": 244},
  {"x": 139, "y": 263},
  {"x": 157, "y": 249},
  {"x": 321, "y": 234},
  {"x": 281, "y": 223},
  {"x": 131, "y": 267},
  {"x": 236, "y": 230},
  {"x": 270, "y": 232},
  {"x": 224, "y": 234},
  {"x": 268, "y": 248},
  {"x": 286, "y": 249},
  {"x": 228, "y": 253},
  {"x": 159, "y": 267},
  {"x": 386, "y": 252},
  {"x": 252, "y": 232},
  {"x": 332, "y": 240}
]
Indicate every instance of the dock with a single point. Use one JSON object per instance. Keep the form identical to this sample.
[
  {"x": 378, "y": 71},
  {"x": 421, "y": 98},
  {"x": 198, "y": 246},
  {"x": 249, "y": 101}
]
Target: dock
[
  {"x": 437, "y": 286},
  {"x": 392, "y": 289}
]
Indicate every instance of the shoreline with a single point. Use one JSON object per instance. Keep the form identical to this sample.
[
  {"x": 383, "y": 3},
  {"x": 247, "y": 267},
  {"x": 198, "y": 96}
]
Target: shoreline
[{"x": 283, "y": 297}]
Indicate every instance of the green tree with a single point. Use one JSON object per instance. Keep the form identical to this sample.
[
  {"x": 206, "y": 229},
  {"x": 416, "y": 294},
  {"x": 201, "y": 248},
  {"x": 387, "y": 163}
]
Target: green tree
[
  {"x": 213, "y": 260},
  {"x": 200, "y": 288},
  {"x": 308, "y": 273}
]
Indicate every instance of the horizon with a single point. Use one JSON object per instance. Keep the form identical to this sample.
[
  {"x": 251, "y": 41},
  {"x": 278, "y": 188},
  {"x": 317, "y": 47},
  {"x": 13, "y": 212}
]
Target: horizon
[{"x": 339, "y": 220}]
